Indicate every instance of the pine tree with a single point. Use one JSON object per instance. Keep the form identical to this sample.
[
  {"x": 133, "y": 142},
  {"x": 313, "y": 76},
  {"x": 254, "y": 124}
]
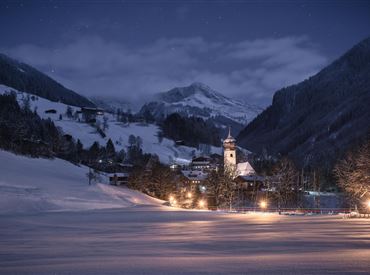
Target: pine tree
[{"x": 110, "y": 151}]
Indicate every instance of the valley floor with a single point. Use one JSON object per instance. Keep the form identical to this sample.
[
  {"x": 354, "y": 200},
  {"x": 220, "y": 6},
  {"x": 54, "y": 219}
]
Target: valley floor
[
  {"x": 157, "y": 240},
  {"x": 53, "y": 222}
]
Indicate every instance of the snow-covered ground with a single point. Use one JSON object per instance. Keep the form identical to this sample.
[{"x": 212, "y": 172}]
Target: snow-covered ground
[
  {"x": 118, "y": 132},
  {"x": 32, "y": 185},
  {"x": 53, "y": 222},
  {"x": 149, "y": 240}
]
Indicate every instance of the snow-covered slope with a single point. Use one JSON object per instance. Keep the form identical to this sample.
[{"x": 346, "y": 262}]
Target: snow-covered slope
[
  {"x": 32, "y": 185},
  {"x": 117, "y": 131},
  {"x": 200, "y": 100}
]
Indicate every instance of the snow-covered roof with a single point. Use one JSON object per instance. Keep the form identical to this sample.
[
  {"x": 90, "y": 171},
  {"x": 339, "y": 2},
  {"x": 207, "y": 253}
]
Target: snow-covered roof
[
  {"x": 244, "y": 169},
  {"x": 118, "y": 174},
  {"x": 194, "y": 175}
]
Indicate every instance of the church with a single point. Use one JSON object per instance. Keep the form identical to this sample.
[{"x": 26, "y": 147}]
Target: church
[{"x": 242, "y": 169}]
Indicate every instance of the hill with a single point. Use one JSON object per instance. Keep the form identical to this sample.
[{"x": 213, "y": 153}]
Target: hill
[
  {"x": 57, "y": 185},
  {"x": 316, "y": 120},
  {"x": 23, "y": 77}
]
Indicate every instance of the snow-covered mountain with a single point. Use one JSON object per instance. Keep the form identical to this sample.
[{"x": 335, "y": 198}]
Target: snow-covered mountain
[
  {"x": 117, "y": 131},
  {"x": 200, "y": 100}
]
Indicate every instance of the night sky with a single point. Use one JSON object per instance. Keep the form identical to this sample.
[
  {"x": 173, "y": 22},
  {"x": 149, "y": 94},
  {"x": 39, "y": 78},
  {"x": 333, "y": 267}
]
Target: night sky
[{"x": 128, "y": 49}]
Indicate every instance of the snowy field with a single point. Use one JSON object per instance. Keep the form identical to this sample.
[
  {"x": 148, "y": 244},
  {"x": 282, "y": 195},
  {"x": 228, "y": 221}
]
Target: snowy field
[
  {"x": 151, "y": 240},
  {"x": 53, "y": 222}
]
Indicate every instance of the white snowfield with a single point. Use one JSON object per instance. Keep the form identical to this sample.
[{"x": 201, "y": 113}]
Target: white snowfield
[
  {"x": 30, "y": 185},
  {"x": 117, "y": 131},
  {"x": 53, "y": 222}
]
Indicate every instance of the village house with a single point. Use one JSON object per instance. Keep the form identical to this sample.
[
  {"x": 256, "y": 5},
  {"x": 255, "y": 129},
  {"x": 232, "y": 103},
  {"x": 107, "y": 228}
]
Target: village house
[
  {"x": 118, "y": 178},
  {"x": 89, "y": 114}
]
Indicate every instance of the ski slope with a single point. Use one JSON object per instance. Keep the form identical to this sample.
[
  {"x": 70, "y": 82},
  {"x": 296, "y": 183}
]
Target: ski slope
[
  {"x": 29, "y": 185},
  {"x": 117, "y": 131}
]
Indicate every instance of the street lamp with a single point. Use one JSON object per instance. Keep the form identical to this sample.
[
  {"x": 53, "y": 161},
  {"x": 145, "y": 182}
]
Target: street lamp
[
  {"x": 201, "y": 203},
  {"x": 263, "y": 204},
  {"x": 189, "y": 195}
]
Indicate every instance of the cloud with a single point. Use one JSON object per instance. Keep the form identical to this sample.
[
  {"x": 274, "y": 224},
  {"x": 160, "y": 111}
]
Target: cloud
[{"x": 250, "y": 69}]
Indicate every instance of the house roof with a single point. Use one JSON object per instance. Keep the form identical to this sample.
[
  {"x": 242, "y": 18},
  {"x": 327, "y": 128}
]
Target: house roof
[
  {"x": 194, "y": 175},
  {"x": 244, "y": 169}
]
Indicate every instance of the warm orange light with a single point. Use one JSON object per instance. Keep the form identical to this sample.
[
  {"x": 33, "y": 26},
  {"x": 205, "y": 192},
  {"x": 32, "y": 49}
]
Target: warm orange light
[
  {"x": 171, "y": 198},
  {"x": 263, "y": 204},
  {"x": 189, "y": 195},
  {"x": 368, "y": 204},
  {"x": 202, "y": 203}
]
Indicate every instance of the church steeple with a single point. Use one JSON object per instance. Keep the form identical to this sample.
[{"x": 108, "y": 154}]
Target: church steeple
[{"x": 229, "y": 152}]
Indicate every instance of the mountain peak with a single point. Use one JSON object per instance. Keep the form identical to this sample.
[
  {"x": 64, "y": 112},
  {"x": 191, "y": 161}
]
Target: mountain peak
[
  {"x": 197, "y": 88},
  {"x": 198, "y": 99},
  {"x": 200, "y": 86}
]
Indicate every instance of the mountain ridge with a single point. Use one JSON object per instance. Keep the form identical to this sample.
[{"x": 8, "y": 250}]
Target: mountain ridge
[
  {"x": 316, "y": 120},
  {"x": 24, "y": 77}
]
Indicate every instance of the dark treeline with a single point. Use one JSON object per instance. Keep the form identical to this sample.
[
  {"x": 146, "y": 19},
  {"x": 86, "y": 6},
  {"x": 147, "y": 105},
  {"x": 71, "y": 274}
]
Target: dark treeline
[
  {"x": 23, "y": 131},
  {"x": 191, "y": 130}
]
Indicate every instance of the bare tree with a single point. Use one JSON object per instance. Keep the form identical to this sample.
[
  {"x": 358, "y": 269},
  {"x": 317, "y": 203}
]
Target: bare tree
[
  {"x": 353, "y": 173},
  {"x": 285, "y": 177}
]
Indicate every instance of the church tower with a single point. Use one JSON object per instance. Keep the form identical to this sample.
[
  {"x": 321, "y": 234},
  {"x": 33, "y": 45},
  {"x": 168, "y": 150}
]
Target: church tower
[{"x": 230, "y": 153}]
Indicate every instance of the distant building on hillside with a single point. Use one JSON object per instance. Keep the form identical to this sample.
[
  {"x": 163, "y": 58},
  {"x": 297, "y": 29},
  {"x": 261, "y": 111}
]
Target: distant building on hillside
[
  {"x": 89, "y": 114},
  {"x": 118, "y": 178}
]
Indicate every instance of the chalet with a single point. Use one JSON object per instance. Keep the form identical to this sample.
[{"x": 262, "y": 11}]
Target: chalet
[
  {"x": 201, "y": 163},
  {"x": 250, "y": 182},
  {"x": 195, "y": 179},
  {"x": 205, "y": 163},
  {"x": 118, "y": 178},
  {"x": 90, "y": 114},
  {"x": 175, "y": 167},
  {"x": 179, "y": 142}
]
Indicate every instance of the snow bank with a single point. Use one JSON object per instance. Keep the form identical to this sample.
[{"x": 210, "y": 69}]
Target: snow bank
[{"x": 33, "y": 185}]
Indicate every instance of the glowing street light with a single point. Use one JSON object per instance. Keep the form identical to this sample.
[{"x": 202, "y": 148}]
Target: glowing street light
[
  {"x": 189, "y": 195},
  {"x": 368, "y": 204},
  {"x": 263, "y": 204},
  {"x": 202, "y": 203},
  {"x": 171, "y": 198}
]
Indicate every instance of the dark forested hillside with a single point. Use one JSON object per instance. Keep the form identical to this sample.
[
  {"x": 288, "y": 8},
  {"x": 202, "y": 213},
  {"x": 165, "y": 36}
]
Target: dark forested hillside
[
  {"x": 191, "y": 130},
  {"x": 23, "y": 77},
  {"x": 316, "y": 120}
]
